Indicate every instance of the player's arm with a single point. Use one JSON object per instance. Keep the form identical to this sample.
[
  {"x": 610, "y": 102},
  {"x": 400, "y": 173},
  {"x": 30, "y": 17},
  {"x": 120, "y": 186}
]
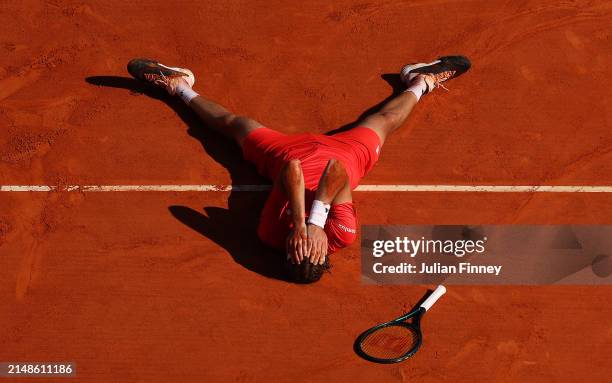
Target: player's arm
[
  {"x": 292, "y": 183},
  {"x": 334, "y": 188}
]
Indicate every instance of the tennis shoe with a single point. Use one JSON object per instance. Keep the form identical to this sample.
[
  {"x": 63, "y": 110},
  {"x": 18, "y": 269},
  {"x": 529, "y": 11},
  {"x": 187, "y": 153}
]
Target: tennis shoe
[
  {"x": 435, "y": 73},
  {"x": 158, "y": 74}
]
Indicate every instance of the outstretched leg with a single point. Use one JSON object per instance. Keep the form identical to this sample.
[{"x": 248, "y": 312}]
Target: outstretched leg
[
  {"x": 391, "y": 116},
  {"x": 420, "y": 78},
  {"x": 179, "y": 82},
  {"x": 222, "y": 120}
]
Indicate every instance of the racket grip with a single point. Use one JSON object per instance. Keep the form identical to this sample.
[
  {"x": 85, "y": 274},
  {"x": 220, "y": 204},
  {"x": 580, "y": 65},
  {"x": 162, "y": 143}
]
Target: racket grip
[{"x": 438, "y": 292}]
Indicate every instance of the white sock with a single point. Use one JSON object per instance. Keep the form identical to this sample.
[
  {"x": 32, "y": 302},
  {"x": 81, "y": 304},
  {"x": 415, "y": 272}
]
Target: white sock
[
  {"x": 184, "y": 91},
  {"x": 418, "y": 86}
]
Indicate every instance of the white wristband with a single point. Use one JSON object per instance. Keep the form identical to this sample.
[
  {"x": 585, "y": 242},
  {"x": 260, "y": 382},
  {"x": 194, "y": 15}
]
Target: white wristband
[
  {"x": 187, "y": 94},
  {"x": 318, "y": 213}
]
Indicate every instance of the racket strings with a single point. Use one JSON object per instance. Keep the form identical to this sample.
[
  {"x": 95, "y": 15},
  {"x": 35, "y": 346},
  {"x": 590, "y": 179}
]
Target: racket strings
[{"x": 390, "y": 342}]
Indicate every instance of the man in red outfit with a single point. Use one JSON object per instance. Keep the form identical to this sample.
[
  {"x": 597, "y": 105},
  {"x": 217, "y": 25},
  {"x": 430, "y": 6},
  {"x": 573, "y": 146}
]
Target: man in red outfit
[{"x": 309, "y": 213}]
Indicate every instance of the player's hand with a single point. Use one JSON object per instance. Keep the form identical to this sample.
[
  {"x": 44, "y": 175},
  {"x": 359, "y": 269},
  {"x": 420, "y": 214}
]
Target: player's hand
[
  {"x": 297, "y": 243},
  {"x": 317, "y": 240}
]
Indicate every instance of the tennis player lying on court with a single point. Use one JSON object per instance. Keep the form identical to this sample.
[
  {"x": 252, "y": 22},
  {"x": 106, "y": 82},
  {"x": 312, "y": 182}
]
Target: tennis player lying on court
[{"x": 309, "y": 213}]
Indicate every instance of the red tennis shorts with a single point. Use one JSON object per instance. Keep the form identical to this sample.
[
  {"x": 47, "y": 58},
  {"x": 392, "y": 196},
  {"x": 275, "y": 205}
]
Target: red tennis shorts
[{"x": 269, "y": 150}]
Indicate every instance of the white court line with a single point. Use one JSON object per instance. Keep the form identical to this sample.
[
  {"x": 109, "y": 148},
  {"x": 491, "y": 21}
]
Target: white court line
[{"x": 361, "y": 188}]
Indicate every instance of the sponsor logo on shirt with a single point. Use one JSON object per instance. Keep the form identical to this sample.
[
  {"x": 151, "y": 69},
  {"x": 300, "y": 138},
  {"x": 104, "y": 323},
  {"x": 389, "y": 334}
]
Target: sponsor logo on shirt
[{"x": 347, "y": 229}]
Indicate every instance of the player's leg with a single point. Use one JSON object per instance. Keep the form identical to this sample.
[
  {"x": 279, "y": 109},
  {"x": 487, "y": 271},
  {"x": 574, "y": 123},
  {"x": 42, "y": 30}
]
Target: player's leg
[
  {"x": 420, "y": 79},
  {"x": 391, "y": 116},
  {"x": 222, "y": 120},
  {"x": 179, "y": 82}
]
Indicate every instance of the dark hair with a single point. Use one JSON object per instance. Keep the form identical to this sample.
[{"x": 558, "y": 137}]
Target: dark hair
[{"x": 306, "y": 272}]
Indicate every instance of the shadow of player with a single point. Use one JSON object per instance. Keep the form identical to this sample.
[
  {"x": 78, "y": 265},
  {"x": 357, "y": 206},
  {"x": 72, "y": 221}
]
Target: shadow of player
[{"x": 233, "y": 228}]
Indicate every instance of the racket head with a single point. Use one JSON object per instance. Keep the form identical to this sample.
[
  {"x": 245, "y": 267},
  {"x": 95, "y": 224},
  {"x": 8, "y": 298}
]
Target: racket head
[{"x": 391, "y": 342}]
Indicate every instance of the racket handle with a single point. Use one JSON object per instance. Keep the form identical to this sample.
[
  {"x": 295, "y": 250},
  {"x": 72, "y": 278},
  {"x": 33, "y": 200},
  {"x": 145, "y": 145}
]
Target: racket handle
[{"x": 438, "y": 292}]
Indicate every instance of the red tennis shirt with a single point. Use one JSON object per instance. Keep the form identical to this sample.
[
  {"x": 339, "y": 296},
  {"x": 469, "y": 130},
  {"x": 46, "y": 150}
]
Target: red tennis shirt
[{"x": 357, "y": 149}]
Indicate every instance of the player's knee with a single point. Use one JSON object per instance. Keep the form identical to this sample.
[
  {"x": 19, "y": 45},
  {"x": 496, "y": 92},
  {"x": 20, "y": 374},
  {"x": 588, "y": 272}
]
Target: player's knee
[
  {"x": 241, "y": 122},
  {"x": 238, "y": 120},
  {"x": 390, "y": 119},
  {"x": 228, "y": 119}
]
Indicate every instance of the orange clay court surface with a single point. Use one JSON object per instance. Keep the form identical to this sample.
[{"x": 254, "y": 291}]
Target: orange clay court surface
[{"x": 173, "y": 286}]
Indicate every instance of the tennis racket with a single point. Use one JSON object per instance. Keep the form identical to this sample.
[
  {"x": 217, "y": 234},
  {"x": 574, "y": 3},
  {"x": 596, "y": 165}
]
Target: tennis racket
[{"x": 396, "y": 340}]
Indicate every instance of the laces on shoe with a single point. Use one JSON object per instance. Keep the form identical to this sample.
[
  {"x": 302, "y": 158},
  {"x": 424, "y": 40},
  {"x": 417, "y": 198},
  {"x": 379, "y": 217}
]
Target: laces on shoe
[
  {"x": 439, "y": 78},
  {"x": 166, "y": 82},
  {"x": 163, "y": 81}
]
